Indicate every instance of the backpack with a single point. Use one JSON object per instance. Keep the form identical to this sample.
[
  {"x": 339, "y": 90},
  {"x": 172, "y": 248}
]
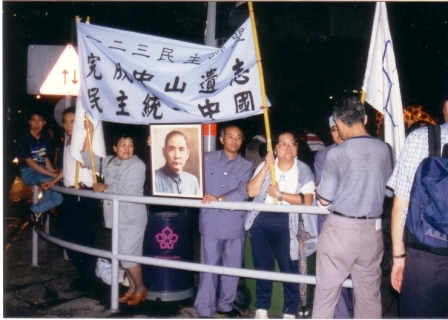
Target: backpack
[{"x": 426, "y": 226}]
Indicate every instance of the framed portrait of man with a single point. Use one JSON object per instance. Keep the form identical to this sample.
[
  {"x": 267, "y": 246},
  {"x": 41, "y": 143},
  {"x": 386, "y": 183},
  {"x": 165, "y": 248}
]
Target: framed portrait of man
[{"x": 177, "y": 160}]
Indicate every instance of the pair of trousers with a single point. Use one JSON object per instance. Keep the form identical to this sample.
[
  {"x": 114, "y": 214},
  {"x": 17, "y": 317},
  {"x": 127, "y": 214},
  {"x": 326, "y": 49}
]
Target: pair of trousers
[
  {"x": 227, "y": 253},
  {"x": 424, "y": 290},
  {"x": 78, "y": 227},
  {"x": 269, "y": 238},
  {"x": 342, "y": 309},
  {"x": 349, "y": 247},
  {"x": 50, "y": 199}
]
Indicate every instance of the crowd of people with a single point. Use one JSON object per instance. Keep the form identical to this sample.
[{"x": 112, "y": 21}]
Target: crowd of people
[{"x": 349, "y": 178}]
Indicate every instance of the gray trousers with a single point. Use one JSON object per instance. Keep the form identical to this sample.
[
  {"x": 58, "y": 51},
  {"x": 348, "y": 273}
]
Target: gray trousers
[
  {"x": 349, "y": 247},
  {"x": 227, "y": 253},
  {"x": 342, "y": 309}
]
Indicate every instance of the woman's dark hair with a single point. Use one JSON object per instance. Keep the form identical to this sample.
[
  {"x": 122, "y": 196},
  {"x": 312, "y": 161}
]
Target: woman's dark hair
[
  {"x": 122, "y": 135},
  {"x": 276, "y": 136}
]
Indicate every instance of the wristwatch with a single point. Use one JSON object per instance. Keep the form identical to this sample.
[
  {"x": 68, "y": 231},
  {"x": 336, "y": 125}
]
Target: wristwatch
[{"x": 280, "y": 198}]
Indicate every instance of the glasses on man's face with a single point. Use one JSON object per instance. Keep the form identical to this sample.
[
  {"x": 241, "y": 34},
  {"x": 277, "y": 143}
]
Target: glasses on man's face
[{"x": 285, "y": 145}]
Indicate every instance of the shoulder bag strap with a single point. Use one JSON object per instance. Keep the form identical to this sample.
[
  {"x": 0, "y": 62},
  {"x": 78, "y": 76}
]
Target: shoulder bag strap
[
  {"x": 434, "y": 141},
  {"x": 101, "y": 166}
]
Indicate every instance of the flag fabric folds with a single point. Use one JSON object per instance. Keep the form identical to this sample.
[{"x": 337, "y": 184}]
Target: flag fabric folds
[
  {"x": 134, "y": 78},
  {"x": 381, "y": 84},
  {"x": 79, "y": 134}
]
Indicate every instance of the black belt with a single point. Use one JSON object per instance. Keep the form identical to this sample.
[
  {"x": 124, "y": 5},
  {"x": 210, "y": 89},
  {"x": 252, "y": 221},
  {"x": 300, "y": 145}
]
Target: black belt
[
  {"x": 351, "y": 217},
  {"x": 82, "y": 186}
]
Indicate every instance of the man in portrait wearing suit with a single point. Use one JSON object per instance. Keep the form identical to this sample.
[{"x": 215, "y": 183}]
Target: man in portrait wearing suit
[{"x": 171, "y": 178}]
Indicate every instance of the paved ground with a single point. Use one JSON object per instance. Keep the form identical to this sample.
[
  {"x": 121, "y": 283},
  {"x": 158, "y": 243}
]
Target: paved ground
[{"x": 47, "y": 291}]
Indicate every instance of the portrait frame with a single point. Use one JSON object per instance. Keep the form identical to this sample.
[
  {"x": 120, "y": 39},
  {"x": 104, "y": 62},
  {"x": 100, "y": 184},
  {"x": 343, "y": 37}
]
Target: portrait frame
[{"x": 164, "y": 180}]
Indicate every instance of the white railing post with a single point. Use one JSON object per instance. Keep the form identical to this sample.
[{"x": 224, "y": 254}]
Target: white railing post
[
  {"x": 47, "y": 223},
  {"x": 115, "y": 234},
  {"x": 35, "y": 244}
]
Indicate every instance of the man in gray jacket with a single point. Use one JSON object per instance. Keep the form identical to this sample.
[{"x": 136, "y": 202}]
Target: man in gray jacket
[{"x": 226, "y": 177}]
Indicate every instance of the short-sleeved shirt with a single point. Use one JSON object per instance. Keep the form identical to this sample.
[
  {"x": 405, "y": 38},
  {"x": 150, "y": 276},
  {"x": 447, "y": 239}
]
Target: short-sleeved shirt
[
  {"x": 36, "y": 149},
  {"x": 354, "y": 176},
  {"x": 414, "y": 151}
]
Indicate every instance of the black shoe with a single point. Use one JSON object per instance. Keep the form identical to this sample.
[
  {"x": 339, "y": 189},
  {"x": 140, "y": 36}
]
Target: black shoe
[
  {"x": 33, "y": 220},
  {"x": 234, "y": 313}
]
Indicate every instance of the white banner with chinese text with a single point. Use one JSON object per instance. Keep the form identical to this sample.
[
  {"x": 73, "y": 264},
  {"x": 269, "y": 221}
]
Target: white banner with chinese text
[{"x": 134, "y": 78}]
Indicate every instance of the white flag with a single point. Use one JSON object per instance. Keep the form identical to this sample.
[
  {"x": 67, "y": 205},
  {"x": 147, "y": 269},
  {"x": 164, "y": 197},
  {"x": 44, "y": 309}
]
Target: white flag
[
  {"x": 134, "y": 78},
  {"x": 381, "y": 81},
  {"x": 79, "y": 134}
]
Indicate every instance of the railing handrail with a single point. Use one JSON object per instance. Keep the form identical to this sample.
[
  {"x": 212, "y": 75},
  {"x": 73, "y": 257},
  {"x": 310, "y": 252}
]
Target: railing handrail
[
  {"x": 192, "y": 203},
  {"x": 189, "y": 266}
]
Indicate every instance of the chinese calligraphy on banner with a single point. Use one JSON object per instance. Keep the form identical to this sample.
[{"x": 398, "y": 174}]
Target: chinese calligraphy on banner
[{"x": 134, "y": 78}]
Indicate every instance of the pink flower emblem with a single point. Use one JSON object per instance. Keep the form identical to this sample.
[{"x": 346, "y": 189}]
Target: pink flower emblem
[{"x": 167, "y": 238}]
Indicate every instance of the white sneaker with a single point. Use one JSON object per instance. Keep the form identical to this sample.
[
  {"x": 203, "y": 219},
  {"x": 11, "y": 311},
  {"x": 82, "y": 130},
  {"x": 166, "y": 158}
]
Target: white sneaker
[
  {"x": 304, "y": 313},
  {"x": 261, "y": 314},
  {"x": 289, "y": 316}
]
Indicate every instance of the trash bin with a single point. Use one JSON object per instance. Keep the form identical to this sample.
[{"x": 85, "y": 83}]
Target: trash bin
[
  {"x": 276, "y": 308},
  {"x": 169, "y": 236}
]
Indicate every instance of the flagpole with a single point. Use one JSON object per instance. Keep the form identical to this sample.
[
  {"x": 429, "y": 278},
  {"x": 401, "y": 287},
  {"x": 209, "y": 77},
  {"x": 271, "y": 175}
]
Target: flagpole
[
  {"x": 363, "y": 97},
  {"x": 77, "y": 175},
  {"x": 77, "y": 19},
  {"x": 92, "y": 159},
  {"x": 263, "y": 91}
]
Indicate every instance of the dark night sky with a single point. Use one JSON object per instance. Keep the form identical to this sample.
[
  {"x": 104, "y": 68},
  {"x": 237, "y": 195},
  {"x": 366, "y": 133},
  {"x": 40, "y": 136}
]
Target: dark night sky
[{"x": 310, "y": 51}]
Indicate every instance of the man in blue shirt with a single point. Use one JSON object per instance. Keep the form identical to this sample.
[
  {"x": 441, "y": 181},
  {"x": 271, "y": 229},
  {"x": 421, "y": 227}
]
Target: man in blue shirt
[
  {"x": 226, "y": 177},
  {"x": 171, "y": 178}
]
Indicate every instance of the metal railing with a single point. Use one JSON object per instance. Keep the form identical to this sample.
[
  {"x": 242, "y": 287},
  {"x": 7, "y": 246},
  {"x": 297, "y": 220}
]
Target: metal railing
[{"x": 189, "y": 266}]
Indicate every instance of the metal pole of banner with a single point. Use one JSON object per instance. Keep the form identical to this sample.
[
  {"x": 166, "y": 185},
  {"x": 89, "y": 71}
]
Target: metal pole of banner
[
  {"x": 209, "y": 129},
  {"x": 263, "y": 90},
  {"x": 209, "y": 38},
  {"x": 209, "y": 132}
]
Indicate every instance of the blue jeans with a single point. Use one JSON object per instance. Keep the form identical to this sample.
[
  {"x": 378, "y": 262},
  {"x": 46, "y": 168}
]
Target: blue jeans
[
  {"x": 50, "y": 199},
  {"x": 269, "y": 238}
]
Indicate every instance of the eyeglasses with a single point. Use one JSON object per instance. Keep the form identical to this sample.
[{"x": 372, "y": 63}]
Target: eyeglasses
[{"x": 285, "y": 145}]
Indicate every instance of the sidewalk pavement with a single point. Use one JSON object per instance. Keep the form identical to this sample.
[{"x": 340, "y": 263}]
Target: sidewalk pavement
[{"x": 48, "y": 291}]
